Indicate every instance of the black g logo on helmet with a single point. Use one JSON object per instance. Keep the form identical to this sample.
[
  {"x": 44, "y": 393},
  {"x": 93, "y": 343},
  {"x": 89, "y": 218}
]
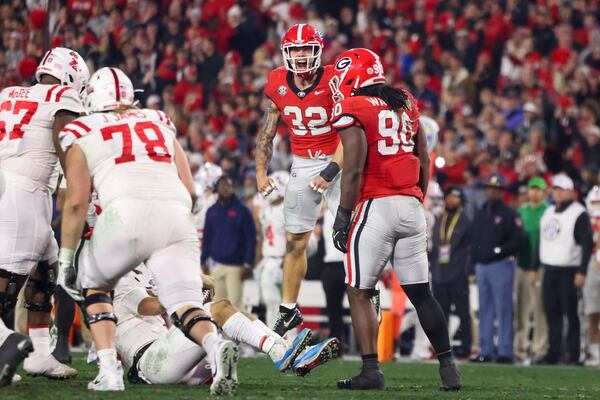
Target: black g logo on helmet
[{"x": 343, "y": 64}]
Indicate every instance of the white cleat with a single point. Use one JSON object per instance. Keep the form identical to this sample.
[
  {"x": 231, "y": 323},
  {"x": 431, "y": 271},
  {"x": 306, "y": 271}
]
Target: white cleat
[
  {"x": 108, "y": 380},
  {"x": 16, "y": 378},
  {"x": 92, "y": 356},
  {"x": 48, "y": 366},
  {"x": 592, "y": 362},
  {"x": 224, "y": 368}
]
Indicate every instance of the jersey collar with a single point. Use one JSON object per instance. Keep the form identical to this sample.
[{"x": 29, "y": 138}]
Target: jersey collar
[{"x": 290, "y": 81}]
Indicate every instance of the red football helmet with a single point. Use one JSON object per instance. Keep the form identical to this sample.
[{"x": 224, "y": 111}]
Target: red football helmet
[
  {"x": 302, "y": 36},
  {"x": 354, "y": 69}
]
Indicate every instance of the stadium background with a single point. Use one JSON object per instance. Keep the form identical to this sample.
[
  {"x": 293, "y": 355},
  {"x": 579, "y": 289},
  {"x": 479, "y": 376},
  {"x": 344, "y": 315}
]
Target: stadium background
[{"x": 513, "y": 84}]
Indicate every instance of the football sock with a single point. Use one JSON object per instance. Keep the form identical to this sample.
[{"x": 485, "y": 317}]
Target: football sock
[
  {"x": 289, "y": 306},
  {"x": 107, "y": 358},
  {"x": 209, "y": 340},
  {"x": 265, "y": 329},
  {"x": 4, "y": 332},
  {"x": 40, "y": 337},
  {"x": 431, "y": 318},
  {"x": 240, "y": 328},
  {"x": 370, "y": 361},
  {"x": 65, "y": 312}
]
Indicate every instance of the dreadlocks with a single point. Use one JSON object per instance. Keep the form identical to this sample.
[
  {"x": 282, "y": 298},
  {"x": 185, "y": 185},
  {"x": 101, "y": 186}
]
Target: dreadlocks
[{"x": 394, "y": 97}]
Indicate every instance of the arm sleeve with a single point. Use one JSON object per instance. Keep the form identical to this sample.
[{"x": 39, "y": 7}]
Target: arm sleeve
[
  {"x": 584, "y": 236},
  {"x": 250, "y": 237},
  {"x": 206, "y": 238}
]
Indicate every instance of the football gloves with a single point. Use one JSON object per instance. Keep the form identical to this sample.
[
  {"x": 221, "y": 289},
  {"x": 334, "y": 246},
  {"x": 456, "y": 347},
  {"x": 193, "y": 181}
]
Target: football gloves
[{"x": 341, "y": 227}]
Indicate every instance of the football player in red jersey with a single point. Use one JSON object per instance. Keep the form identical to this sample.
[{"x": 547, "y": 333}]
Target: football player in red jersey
[
  {"x": 385, "y": 177},
  {"x": 299, "y": 95}
]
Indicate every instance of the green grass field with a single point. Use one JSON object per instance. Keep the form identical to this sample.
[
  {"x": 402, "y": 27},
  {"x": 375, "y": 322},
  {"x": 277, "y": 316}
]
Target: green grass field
[{"x": 259, "y": 380}]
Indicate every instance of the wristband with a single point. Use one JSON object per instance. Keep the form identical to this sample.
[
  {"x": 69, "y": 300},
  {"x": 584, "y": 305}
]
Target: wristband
[
  {"x": 65, "y": 256},
  {"x": 330, "y": 171}
]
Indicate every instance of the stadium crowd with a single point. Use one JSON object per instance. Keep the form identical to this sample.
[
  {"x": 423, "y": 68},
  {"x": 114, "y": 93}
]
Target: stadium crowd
[{"x": 514, "y": 85}]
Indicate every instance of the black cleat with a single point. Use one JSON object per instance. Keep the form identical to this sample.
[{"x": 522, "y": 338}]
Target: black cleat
[
  {"x": 287, "y": 319},
  {"x": 368, "y": 379},
  {"x": 13, "y": 351},
  {"x": 450, "y": 377}
]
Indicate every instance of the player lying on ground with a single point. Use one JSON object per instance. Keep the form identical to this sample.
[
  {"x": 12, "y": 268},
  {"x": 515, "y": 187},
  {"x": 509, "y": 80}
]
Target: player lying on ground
[
  {"x": 29, "y": 172},
  {"x": 384, "y": 181},
  {"x": 145, "y": 189},
  {"x": 159, "y": 355},
  {"x": 299, "y": 96}
]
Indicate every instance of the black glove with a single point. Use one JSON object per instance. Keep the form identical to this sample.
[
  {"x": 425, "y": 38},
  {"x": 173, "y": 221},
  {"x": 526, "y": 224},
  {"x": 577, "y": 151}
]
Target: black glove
[{"x": 341, "y": 226}]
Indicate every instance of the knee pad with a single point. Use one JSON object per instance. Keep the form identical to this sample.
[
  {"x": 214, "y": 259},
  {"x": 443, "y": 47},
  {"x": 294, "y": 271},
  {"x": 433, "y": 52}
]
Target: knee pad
[
  {"x": 98, "y": 298},
  {"x": 186, "y": 327},
  {"x": 42, "y": 280},
  {"x": 417, "y": 293},
  {"x": 8, "y": 296}
]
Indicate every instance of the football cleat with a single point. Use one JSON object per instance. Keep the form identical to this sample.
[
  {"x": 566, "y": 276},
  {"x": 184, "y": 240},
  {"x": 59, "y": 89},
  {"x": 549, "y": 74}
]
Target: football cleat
[
  {"x": 108, "y": 380},
  {"x": 48, "y": 366},
  {"x": 12, "y": 352},
  {"x": 92, "y": 356},
  {"x": 224, "y": 368},
  {"x": 296, "y": 347},
  {"x": 316, "y": 355},
  {"x": 287, "y": 319},
  {"x": 368, "y": 379},
  {"x": 450, "y": 377}
]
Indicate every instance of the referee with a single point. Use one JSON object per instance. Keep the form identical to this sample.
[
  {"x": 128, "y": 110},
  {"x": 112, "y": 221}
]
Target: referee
[{"x": 565, "y": 248}]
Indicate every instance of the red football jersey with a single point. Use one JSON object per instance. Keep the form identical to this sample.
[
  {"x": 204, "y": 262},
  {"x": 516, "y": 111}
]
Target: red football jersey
[
  {"x": 391, "y": 167},
  {"x": 306, "y": 113}
]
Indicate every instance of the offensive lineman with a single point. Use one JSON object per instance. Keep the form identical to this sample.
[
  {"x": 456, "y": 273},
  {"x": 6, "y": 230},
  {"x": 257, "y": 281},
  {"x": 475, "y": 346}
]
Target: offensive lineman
[
  {"x": 299, "y": 95},
  {"x": 145, "y": 188},
  {"x": 159, "y": 355},
  {"x": 384, "y": 180},
  {"x": 28, "y": 175}
]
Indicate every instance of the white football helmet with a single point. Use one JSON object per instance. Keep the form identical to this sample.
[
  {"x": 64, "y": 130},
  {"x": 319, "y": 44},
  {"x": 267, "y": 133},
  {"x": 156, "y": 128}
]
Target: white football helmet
[
  {"x": 434, "y": 201},
  {"x": 108, "y": 89},
  {"x": 65, "y": 65},
  {"x": 281, "y": 179},
  {"x": 592, "y": 202},
  {"x": 207, "y": 176},
  {"x": 431, "y": 129}
]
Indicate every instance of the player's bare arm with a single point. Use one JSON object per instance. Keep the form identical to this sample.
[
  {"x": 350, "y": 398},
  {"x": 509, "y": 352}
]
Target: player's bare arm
[
  {"x": 423, "y": 155},
  {"x": 61, "y": 118},
  {"x": 77, "y": 198},
  {"x": 264, "y": 148},
  {"x": 322, "y": 182},
  {"x": 73, "y": 218},
  {"x": 355, "y": 154},
  {"x": 184, "y": 171}
]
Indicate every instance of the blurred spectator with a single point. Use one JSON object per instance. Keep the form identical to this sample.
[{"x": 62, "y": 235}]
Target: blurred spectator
[
  {"x": 451, "y": 265},
  {"x": 528, "y": 280},
  {"x": 229, "y": 240},
  {"x": 565, "y": 249},
  {"x": 497, "y": 237}
]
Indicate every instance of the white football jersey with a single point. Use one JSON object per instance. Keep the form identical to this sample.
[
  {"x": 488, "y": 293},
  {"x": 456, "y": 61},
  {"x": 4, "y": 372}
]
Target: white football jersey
[
  {"x": 26, "y": 119},
  {"x": 129, "y": 155},
  {"x": 273, "y": 230},
  {"x": 134, "y": 331}
]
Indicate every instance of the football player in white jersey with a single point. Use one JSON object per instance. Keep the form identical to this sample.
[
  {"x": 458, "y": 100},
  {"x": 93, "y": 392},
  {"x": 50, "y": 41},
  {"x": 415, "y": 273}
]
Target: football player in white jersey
[
  {"x": 145, "y": 189},
  {"x": 272, "y": 247},
  {"x": 28, "y": 165},
  {"x": 204, "y": 180},
  {"x": 159, "y": 355}
]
